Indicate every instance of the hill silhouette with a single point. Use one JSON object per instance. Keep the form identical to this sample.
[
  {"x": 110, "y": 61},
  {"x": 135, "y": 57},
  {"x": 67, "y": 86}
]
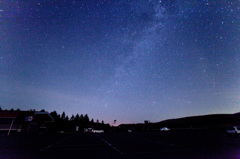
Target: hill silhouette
[
  {"x": 211, "y": 121},
  {"x": 203, "y": 121}
]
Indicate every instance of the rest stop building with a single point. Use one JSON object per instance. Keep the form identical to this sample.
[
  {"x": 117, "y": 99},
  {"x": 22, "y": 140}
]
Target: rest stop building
[{"x": 29, "y": 122}]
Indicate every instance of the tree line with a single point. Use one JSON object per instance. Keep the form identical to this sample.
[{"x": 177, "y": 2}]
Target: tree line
[{"x": 63, "y": 122}]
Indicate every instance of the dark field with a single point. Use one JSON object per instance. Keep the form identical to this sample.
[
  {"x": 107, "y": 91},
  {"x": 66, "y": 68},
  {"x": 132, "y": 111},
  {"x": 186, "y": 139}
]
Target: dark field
[{"x": 137, "y": 145}]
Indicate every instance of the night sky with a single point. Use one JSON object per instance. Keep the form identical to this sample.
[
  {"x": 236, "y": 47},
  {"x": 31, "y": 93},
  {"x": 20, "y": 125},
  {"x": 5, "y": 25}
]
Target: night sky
[{"x": 124, "y": 60}]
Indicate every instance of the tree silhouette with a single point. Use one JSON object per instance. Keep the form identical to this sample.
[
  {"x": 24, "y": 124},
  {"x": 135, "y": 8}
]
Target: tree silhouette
[
  {"x": 63, "y": 116},
  {"x": 54, "y": 115},
  {"x": 81, "y": 118},
  {"x": 77, "y": 118},
  {"x": 67, "y": 118},
  {"x": 86, "y": 118},
  {"x": 72, "y": 118},
  {"x": 42, "y": 110},
  {"x": 92, "y": 121}
]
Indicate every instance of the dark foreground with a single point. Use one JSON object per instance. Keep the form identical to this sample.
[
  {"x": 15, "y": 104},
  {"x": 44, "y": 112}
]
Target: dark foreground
[{"x": 137, "y": 145}]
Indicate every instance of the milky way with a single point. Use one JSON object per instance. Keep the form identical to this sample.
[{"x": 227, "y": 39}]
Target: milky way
[{"x": 125, "y": 60}]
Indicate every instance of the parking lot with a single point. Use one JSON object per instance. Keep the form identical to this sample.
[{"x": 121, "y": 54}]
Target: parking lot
[{"x": 142, "y": 145}]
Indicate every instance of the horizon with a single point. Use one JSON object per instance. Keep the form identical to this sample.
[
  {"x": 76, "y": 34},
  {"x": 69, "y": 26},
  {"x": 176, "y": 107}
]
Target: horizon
[
  {"x": 127, "y": 60},
  {"x": 111, "y": 124}
]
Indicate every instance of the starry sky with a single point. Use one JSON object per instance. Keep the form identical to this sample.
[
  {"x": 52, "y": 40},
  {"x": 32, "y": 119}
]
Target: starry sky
[{"x": 124, "y": 60}]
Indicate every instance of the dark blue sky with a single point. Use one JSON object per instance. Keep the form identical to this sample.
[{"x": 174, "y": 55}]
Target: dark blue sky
[{"x": 124, "y": 60}]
